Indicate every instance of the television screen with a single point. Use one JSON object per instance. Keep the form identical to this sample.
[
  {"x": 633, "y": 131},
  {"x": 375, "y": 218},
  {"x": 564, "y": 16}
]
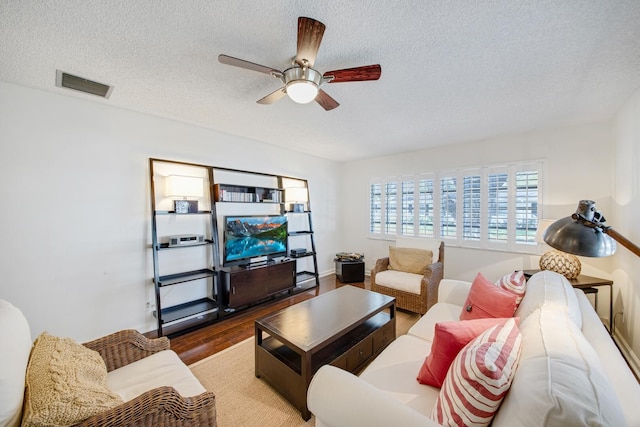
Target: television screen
[{"x": 247, "y": 237}]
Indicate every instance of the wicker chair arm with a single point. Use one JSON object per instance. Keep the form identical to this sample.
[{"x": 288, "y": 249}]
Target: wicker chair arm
[
  {"x": 382, "y": 264},
  {"x": 127, "y": 346},
  {"x": 430, "y": 283},
  {"x": 162, "y": 406}
]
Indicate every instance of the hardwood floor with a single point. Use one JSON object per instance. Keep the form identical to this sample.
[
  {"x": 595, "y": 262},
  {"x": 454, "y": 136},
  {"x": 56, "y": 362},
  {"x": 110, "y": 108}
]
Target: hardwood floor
[{"x": 204, "y": 342}]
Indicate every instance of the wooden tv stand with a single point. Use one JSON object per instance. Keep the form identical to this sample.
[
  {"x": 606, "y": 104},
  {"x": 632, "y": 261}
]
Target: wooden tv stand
[{"x": 246, "y": 285}]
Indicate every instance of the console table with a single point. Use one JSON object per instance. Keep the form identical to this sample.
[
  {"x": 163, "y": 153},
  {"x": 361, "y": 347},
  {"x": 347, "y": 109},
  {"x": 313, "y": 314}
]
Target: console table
[
  {"x": 347, "y": 328},
  {"x": 588, "y": 283}
]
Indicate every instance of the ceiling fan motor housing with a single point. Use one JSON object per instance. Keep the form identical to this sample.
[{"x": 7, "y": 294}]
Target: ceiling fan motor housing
[{"x": 302, "y": 84}]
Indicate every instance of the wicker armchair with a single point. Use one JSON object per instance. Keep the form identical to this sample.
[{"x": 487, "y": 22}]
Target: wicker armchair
[
  {"x": 161, "y": 406},
  {"x": 146, "y": 366},
  {"x": 429, "y": 282}
]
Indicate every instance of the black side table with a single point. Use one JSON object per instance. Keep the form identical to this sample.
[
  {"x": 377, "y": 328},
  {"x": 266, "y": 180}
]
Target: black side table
[
  {"x": 587, "y": 284},
  {"x": 350, "y": 271}
]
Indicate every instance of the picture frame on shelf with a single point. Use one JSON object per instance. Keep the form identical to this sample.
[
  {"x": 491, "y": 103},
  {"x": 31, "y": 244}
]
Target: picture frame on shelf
[{"x": 185, "y": 206}]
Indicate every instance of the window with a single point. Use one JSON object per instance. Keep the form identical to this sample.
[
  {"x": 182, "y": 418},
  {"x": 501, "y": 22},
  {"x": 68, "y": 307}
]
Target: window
[
  {"x": 375, "y": 209},
  {"x": 471, "y": 217},
  {"x": 526, "y": 206},
  {"x": 391, "y": 207},
  {"x": 407, "y": 208},
  {"x": 448, "y": 199},
  {"x": 497, "y": 206},
  {"x": 425, "y": 215},
  {"x": 493, "y": 207}
]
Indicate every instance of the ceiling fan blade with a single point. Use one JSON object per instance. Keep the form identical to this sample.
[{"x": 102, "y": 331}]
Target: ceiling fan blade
[
  {"x": 273, "y": 97},
  {"x": 325, "y": 101},
  {"x": 357, "y": 74},
  {"x": 230, "y": 60},
  {"x": 310, "y": 34}
]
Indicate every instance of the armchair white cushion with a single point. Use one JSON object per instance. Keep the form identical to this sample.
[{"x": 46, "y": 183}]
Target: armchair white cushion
[{"x": 15, "y": 347}]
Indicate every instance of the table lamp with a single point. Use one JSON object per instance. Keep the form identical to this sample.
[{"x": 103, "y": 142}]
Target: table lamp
[
  {"x": 585, "y": 233},
  {"x": 184, "y": 186},
  {"x": 554, "y": 260},
  {"x": 297, "y": 197}
]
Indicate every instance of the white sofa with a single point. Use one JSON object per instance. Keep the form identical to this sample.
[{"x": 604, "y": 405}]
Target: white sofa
[
  {"x": 567, "y": 376},
  {"x": 123, "y": 379}
]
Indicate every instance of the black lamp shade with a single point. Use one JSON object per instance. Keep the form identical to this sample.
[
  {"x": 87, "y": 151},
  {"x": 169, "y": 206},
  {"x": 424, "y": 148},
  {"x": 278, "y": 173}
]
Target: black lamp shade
[{"x": 570, "y": 236}]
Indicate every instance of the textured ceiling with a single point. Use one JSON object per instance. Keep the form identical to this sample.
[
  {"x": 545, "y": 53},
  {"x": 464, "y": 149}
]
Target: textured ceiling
[{"x": 452, "y": 71}]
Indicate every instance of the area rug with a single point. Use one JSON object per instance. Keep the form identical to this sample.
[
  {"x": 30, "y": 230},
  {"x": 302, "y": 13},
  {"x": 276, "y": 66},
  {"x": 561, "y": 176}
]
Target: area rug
[{"x": 244, "y": 400}]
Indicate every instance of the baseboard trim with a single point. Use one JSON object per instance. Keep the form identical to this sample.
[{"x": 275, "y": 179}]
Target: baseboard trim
[{"x": 628, "y": 354}]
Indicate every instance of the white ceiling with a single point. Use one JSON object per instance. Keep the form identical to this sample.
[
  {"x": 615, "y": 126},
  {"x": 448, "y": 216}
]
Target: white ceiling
[{"x": 452, "y": 71}]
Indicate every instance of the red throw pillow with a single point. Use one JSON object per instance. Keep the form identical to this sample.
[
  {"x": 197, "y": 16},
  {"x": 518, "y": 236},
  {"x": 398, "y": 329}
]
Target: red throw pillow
[
  {"x": 487, "y": 300},
  {"x": 449, "y": 338},
  {"x": 479, "y": 378}
]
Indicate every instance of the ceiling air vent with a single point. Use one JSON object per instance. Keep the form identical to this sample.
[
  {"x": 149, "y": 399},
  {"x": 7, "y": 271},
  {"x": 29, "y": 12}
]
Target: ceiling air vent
[{"x": 81, "y": 84}]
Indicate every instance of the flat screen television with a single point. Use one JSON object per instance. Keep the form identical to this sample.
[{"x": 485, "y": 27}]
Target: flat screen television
[{"x": 247, "y": 237}]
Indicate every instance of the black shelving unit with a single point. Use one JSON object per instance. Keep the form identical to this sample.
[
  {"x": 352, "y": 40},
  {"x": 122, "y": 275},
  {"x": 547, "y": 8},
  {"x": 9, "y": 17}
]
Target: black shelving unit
[
  {"x": 305, "y": 275},
  {"x": 215, "y": 306},
  {"x": 202, "y": 310},
  {"x": 174, "y": 279}
]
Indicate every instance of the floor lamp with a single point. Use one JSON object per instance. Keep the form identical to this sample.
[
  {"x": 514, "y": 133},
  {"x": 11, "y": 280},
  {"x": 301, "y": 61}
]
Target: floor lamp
[{"x": 585, "y": 233}]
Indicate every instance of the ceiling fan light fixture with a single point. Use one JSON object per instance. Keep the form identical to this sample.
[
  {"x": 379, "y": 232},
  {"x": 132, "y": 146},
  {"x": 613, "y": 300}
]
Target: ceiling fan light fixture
[
  {"x": 302, "y": 84},
  {"x": 302, "y": 91}
]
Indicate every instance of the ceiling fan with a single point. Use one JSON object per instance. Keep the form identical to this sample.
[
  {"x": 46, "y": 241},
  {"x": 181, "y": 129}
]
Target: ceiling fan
[{"x": 302, "y": 83}]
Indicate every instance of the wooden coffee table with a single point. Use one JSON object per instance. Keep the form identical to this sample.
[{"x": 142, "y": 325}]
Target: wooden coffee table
[{"x": 347, "y": 328}]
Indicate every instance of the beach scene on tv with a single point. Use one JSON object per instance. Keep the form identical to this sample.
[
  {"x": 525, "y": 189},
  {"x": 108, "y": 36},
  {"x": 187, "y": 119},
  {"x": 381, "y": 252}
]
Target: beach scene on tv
[{"x": 248, "y": 237}]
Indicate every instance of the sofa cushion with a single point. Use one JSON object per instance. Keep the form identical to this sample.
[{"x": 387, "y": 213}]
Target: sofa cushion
[
  {"x": 409, "y": 260},
  {"x": 394, "y": 372},
  {"x": 66, "y": 383},
  {"x": 441, "y": 312},
  {"x": 479, "y": 378},
  {"x": 487, "y": 300},
  {"x": 547, "y": 286},
  {"x": 15, "y": 346},
  {"x": 449, "y": 339},
  {"x": 160, "y": 369},
  {"x": 560, "y": 380},
  {"x": 515, "y": 283},
  {"x": 399, "y": 280}
]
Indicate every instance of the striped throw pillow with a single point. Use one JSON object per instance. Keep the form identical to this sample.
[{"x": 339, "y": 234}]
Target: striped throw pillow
[
  {"x": 479, "y": 378},
  {"x": 515, "y": 283}
]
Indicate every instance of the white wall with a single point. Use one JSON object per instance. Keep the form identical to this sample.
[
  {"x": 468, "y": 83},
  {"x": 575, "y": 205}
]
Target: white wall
[
  {"x": 624, "y": 216},
  {"x": 75, "y": 220},
  {"x": 578, "y": 164},
  {"x": 76, "y": 207}
]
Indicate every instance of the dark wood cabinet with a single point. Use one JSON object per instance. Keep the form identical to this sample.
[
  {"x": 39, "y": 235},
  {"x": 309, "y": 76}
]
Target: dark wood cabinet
[{"x": 245, "y": 286}]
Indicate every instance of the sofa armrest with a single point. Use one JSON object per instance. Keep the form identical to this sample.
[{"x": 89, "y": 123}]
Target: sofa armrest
[
  {"x": 124, "y": 347},
  {"x": 340, "y": 399},
  {"x": 453, "y": 291},
  {"x": 159, "y": 407},
  {"x": 430, "y": 283}
]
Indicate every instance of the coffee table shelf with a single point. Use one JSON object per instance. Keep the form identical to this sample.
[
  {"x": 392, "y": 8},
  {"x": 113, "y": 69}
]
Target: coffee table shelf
[{"x": 283, "y": 353}]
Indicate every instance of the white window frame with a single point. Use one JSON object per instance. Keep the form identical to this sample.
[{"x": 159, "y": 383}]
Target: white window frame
[{"x": 509, "y": 245}]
